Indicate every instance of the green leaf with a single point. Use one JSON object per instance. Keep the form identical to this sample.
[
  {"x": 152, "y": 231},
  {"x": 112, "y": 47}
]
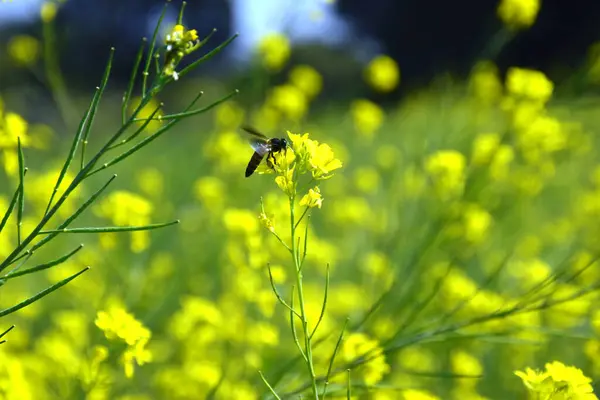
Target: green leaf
[
  {"x": 44, "y": 266},
  {"x": 140, "y": 129},
  {"x": 4, "y": 333},
  {"x": 10, "y": 208},
  {"x": 94, "y": 107},
  {"x": 143, "y": 143},
  {"x": 150, "y": 54},
  {"x": 21, "y": 204},
  {"x": 273, "y": 392},
  {"x": 106, "y": 229},
  {"x": 80, "y": 131},
  {"x": 78, "y": 212},
  {"x": 131, "y": 84},
  {"x": 188, "y": 114},
  {"x": 41, "y": 294}
]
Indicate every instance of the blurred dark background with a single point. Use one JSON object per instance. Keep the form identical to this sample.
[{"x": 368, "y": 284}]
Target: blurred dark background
[{"x": 427, "y": 38}]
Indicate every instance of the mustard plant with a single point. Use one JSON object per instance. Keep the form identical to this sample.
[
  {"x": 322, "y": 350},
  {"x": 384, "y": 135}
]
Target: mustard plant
[
  {"x": 158, "y": 65},
  {"x": 298, "y": 174}
]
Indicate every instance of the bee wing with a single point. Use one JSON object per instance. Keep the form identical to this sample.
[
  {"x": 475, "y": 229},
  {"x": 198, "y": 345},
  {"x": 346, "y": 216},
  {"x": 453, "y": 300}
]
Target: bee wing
[
  {"x": 261, "y": 146},
  {"x": 254, "y": 132}
]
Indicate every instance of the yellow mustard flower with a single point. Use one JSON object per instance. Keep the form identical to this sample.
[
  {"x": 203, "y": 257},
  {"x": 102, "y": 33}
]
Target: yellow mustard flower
[
  {"x": 229, "y": 115},
  {"x": 529, "y": 84},
  {"x": 500, "y": 165},
  {"x": 23, "y": 49},
  {"x": 48, "y": 11},
  {"x": 289, "y": 100},
  {"x": 447, "y": 170},
  {"x": 382, "y": 74},
  {"x": 124, "y": 208},
  {"x": 464, "y": 363},
  {"x": 150, "y": 180},
  {"x": 136, "y": 354},
  {"x": 387, "y": 156},
  {"x": 179, "y": 43},
  {"x": 317, "y": 158},
  {"x": 323, "y": 161},
  {"x": 569, "y": 382},
  {"x": 367, "y": 117},
  {"x": 274, "y": 50},
  {"x": 485, "y": 146},
  {"x": 518, "y": 14},
  {"x": 12, "y": 127},
  {"x": 477, "y": 222},
  {"x": 312, "y": 198},
  {"x": 358, "y": 345},
  {"x": 117, "y": 323},
  {"x": 240, "y": 221},
  {"x": 485, "y": 83},
  {"x": 210, "y": 190},
  {"x": 307, "y": 79},
  {"x": 367, "y": 179},
  {"x": 418, "y": 394}
]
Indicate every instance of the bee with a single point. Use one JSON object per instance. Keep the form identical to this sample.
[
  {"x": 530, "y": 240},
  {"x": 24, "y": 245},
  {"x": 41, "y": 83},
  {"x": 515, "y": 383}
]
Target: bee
[{"x": 262, "y": 146}]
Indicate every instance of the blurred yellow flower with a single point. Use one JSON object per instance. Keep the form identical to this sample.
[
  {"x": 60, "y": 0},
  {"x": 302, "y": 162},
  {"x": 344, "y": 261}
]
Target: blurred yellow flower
[
  {"x": 387, "y": 156},
  {"x": 382, "y": 74},
  {"x": 529, "y": 84},
  {"x": 124, "y": 208},
  {"x": 150, "y": 181},
  {"x": 477, "y": 222},
  {"x": 307, "y": 79},
  {"x": 23, "y": 49},
  {"x": 500, "y": 165},
  {"x": 366, "y": 179},
  {"x": 417, "y": 394},
  {"x": 518, "y": 14},
  {"x": 485, "y": 83},
  {"x": 289, "y": 100},
  {"x": 229, "y": 115},
  {"x": 367, "y": 117},
  {"x": 447, "y": 171},
  {"x": 544, "y": 135},
  {"x": 312, "y": 199},
  {"x": 145, "y": 113},
  {"x": 569, "y": 382},
  {"x": 485, "y": 146},
  {"x": 48, "y": 11},
  {"x": 267, "y": 117},
  {"x": 136, "y": 354},
  {"x": 12, "y": 127},
  {"x": 274, "y": 50},
  {"x": 117, "y": 323},
  {"x": 358, "y": 345},
  {"x": 210, "y": 190},
  {"x": 464, "y": 363},
  {"x": 240, "y": 221}
]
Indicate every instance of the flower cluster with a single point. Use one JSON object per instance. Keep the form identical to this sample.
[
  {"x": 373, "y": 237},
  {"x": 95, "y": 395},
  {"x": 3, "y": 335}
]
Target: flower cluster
[
  {"x": 179, "y": 43},
  {"x": 308, "y": 157},
  {"x": 118, "y": 324},
  {"x": 558, "y": 381}
]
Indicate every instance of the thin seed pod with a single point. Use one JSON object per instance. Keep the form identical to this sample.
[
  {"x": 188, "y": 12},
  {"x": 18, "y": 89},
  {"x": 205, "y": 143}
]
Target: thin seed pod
[{"x": 41, "y": 294}]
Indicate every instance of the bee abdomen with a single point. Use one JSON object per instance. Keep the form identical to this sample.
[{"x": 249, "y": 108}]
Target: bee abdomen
[{"x": 253, "y": 164}]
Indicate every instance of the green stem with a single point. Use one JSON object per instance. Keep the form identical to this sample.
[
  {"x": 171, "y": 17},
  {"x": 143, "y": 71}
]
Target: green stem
[{"x": 307, "y": 335}]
